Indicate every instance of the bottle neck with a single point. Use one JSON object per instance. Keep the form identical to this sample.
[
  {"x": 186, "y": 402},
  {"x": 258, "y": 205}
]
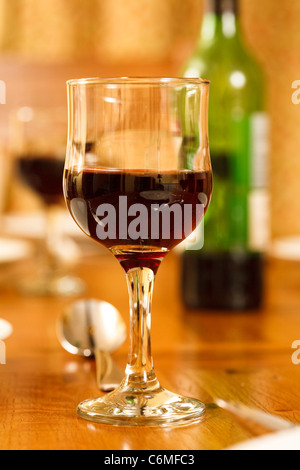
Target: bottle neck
[
  {"x": 221, "y": 20},
  {"x": 222, "y": 6}
]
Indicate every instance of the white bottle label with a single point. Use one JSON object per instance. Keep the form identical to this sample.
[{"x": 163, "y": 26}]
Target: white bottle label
[
  {"x": 259, "y": 200},
  {"x": 259, "y": 150}
]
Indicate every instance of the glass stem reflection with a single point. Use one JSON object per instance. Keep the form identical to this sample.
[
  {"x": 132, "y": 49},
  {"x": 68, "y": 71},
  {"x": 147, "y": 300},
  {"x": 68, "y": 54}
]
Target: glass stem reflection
[
  {"x": 139, "y": 371},
  {"x": 51, "y": 240}
]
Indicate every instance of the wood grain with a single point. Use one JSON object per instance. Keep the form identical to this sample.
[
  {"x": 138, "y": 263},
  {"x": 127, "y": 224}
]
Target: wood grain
[{"x": 241, "y": 356}]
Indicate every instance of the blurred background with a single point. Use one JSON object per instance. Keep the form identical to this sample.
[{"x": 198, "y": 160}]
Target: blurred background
[{"x": 42, "y": 44}]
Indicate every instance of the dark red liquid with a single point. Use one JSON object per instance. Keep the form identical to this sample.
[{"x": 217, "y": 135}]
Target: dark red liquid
[
  {"x": 43, "y": 174},
  {"x": 88, "y": 189}
]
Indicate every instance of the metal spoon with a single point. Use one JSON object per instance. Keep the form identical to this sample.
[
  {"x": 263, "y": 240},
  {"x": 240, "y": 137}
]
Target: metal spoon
[
  {"x": 93, "y": 328},
  {"x": 274, "y": 423}
]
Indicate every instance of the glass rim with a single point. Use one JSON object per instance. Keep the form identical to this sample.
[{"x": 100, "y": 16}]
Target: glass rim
[{"x": 154, "y": 81}]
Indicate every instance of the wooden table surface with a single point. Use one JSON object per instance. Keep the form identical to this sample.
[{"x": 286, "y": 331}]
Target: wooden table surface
[{"x": 246, "y": 357}]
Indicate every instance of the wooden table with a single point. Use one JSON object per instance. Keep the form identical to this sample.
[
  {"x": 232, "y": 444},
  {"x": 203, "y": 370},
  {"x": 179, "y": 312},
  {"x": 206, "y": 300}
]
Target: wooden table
[{"x": 246, "y": 357}]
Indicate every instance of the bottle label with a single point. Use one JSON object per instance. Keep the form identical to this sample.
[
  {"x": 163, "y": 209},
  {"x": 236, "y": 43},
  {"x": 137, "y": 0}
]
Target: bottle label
[
  {"x": 259, "y": 150},
  {"x": 259, "y": 200},
  {"x": 250, "y": 176}
]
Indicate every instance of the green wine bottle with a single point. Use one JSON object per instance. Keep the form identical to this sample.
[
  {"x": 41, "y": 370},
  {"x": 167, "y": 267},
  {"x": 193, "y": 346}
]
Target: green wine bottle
[{"x": 228, "y": 272}]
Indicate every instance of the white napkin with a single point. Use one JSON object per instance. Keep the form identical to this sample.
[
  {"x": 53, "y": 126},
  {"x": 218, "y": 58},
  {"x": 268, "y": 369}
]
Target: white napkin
[
  {"x": 5, "y": 329},
  {"x": 13, "y": 250},
  {"x": 283, "y": 440}
]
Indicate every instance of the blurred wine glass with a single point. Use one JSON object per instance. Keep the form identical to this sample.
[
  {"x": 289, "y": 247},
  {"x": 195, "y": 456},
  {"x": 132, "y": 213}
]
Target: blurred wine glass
[{"x": 38, "y": 145}]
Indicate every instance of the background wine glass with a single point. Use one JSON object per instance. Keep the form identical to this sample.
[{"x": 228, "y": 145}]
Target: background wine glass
[
  {"x": 137, "y": 148},
  {"x": 38, "y": 146}
]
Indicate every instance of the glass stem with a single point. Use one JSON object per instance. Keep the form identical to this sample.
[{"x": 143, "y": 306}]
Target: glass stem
[{"x": 139, "y": 371}]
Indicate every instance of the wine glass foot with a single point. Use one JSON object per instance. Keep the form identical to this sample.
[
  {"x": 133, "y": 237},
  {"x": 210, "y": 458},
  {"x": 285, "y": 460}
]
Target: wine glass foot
[
  {"x": 127, "y": 406},
  {"x": 65, "y": 286}
]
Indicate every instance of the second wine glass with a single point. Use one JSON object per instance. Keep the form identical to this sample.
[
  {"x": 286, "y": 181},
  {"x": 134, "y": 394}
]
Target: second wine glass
[{"x": 39, "y": 136}]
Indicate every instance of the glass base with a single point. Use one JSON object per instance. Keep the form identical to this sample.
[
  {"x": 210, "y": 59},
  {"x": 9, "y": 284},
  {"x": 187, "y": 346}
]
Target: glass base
[
  {"x": 65, "y": 286},
  {"x": 151, "y": 406}
]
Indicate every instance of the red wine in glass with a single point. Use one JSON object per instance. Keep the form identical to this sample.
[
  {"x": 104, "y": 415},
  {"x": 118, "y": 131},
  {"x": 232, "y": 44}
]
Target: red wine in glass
[{"x": 128, "y": 193}]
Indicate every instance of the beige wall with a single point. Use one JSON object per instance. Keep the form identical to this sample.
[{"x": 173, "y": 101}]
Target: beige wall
[
  {"x": 272, "y": 28},
  {"x": 108, "y": 30}
]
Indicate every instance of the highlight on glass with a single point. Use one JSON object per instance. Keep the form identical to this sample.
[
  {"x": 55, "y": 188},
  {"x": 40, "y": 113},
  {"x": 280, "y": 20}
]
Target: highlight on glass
[{"x": 138, "y": 180}]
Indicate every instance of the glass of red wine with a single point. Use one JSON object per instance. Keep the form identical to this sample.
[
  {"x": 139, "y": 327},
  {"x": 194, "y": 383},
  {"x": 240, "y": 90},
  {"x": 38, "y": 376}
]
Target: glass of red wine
[
  {"x": 138, "y": 180},
  {"x": 39, "y": 153}
]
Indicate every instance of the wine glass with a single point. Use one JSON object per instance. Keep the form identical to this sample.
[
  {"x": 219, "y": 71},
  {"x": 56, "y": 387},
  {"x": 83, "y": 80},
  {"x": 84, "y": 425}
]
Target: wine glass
[
  {"x": 38, "y": 145},
  {"x": 138, "y": 180}
]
